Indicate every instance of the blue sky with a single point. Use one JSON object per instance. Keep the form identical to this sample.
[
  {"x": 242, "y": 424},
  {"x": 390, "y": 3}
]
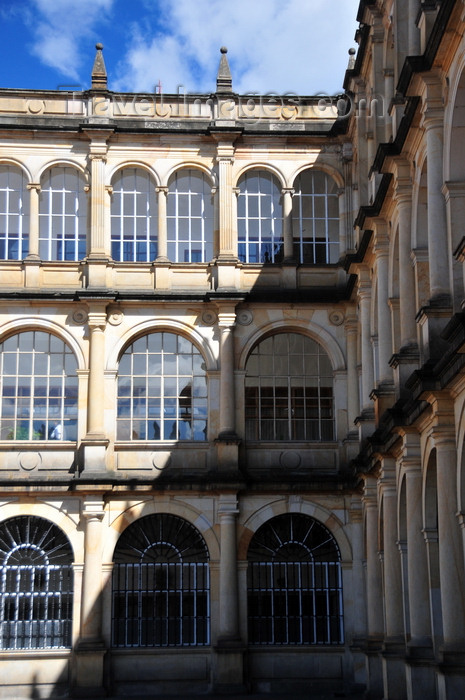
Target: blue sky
[{"x": 273, "y": 45}]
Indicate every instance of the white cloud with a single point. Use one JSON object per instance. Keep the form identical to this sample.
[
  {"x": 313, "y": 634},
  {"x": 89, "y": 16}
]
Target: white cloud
[
  {"x": 61, "y": 27},
  {"x": 274, "y": 45}
]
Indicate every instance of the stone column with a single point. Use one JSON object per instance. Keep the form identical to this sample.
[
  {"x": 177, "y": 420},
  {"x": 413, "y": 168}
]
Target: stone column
[
  {"x": 229, "y": 648},
  {"x": 451, "y": 677},
  {"x": 353, "y": 404},
  {"x": 438, "y": 247},
  {"x": 288, "y": 240},
  {"x": 99, "y": 238},
  {"x": 95, "y": 406},
  {"x": 450, "y": 547},
  {"x": 95, "y": 442},
  {"x": 34, "y": 192},
  {"x": 381, "y": 250},
  {"x": 226, "y": 323},
  {"x": 394, "y": 645},
  {"x": 162, "y": 248},
  {"x": 420, "y": 623},
  {"x": 99, "y": 246},
  {"x": 227, "y": 443},
  {"x": 364, "y": 296},
  {"x": 414, "y": 48},
  {"x": 454, "y": 193},
  {"x": 407, "y": 311},
  {"x": 227, "y": 227},
  {"x": 374, "y": 593},
  {"x": 419, "y": 673},
  {"x": 90, "y": 649}
]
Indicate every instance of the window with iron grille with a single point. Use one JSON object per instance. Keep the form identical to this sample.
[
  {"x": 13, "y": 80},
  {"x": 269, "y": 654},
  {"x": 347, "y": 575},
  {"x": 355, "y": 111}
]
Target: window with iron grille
[
  {"x": 14, "y": 213},
  {"x": 161, "y": 585},
  {"x": 190, "y": 217},
  {"x": 134, "y": 215},
  {"x": 36, "y": 584},
  {"x": 62, "y": 215},
  {"x": 289, "y": 390},
  {"x": 315, "y": 218},
  {"x": 39, "y": 388},
  {"x": 259, "y": 218},
  {"x": 162, "y": 390},
  {"x": 294, "y": 584}
]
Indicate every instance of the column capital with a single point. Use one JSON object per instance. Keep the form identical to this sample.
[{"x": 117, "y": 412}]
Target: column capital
[
  {"x": 228, "y": 504},
  {"x": 93, "y": 508},
  {"x": 226, "y": 319},
  {"x": 98, "y": 156},
  {"x": 287, "y": 190},
  {"x": 34, "y": 186},
  {"x": 161, "y": 189},
  {"x": 98, "y": 141}
]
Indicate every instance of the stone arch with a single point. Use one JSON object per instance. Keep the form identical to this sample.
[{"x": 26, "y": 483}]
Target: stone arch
[
  {"x": 64, "y": 163},
  {"x": 309, "y": 328},
  {"x": 18, "y": 164},
  {"x": 131, "y": 513},
  {"x": 284, "y": 506},
  {"x": 326, "y": 168},
  {"x": 134, "y": 164},
  {"x": 32, "y": 323},
  {"x": 262, "y": 166},
  {"x": 190, "y": 165},
  {"x": 154, "y": 326}
]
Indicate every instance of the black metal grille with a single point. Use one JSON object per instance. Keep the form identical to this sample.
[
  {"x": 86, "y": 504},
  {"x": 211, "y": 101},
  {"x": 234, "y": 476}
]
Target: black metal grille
[
  {"x": 161, "y": 585},
  {"x": 36, "y": 605},
  {"x": 36, "y": 584},
  {"x": 161, "y": 605},
  {"x": 295, "y": 603},
  {"x": 294, "y": 583}
]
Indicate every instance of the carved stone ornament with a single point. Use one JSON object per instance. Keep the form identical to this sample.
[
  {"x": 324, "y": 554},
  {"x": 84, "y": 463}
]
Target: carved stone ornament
[
  {"x": 115, "y": 317},
  {"x": 336, "y": 318},
  {"x": 245, "y": 317},
  {"x": 80, "y": 316},
  {"x": 209, "y": 318},
  {"x": 290, "y": 459},
  {"x": 29, "y": 460}
]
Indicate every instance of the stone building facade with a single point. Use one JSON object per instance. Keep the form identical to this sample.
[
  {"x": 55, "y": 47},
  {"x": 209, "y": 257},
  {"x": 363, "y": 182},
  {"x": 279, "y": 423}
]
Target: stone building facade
[{"x": 232, "y": 378}]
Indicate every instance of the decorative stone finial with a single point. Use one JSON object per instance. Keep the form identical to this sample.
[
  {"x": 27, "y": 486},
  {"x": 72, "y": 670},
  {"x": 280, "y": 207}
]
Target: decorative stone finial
[
  {"x": 352, "y": 53},
  {"x": 99, "y": 73},
  {"x": 224, "y": 79}
]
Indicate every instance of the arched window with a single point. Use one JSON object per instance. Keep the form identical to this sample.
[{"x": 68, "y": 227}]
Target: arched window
[
  {"x": 162, "y": 390},
  {"x": 36, "y": 584},
  {"x": 259, "y": 218},
  {"x": 315, "y": 218},
  {"x": 62, "y": 215},
  {"x": 289, "y": 390},
  {"x": 190, "y": 217},
  {"x": 161, "y": 585},
  {"x": 14, "y": 213},
  {"x": 134, "y": 216},
  {"x": 39, "y": 388},
  {"x": 294, "y": 583}
]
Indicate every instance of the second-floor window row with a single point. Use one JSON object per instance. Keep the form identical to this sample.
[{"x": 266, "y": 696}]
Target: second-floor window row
[
  {"x": 188, "y": 226},
  {"x": 161, "y": 390}
]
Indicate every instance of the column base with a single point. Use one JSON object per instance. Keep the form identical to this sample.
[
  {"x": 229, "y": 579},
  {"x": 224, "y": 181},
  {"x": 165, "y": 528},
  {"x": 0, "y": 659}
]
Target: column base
[
  {"x": 432, "y": 320},
  {"x": 374, "y": 670},
  {"x": 227, "y": 451},
  {"x": 88, "y": 663},
  {"x": 228, "y": 672},
  {"x": 404, "y": 363},
  {"x": 93, "y": 454},
  {"x": 383, "y": 397},
  {"x": 365, "y": 423},
  {"x": 393, "y": 661}
]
